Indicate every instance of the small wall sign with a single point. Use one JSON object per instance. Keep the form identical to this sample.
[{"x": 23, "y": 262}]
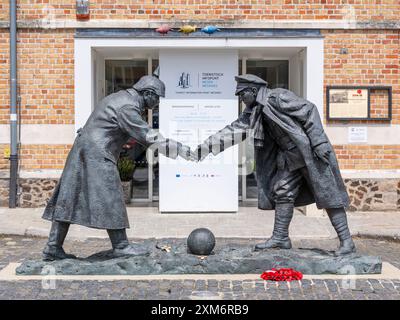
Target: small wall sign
[
  {"x": 358, "y": 135},
  {"x": 7, "y": 153}
]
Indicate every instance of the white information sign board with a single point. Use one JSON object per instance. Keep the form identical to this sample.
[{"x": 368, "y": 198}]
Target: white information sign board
[
  {"x": 199, "y": 101},
  {"x": 358, "y": 134}
]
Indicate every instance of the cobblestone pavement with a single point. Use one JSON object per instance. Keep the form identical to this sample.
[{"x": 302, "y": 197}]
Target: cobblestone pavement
[{"x": 17, "y": 249}]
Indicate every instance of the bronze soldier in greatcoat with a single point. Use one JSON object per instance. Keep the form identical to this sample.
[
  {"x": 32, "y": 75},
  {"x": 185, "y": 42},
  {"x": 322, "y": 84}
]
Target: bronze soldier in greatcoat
[
  {"x": 295, "y": 162},
  {"x": 89, "y": 192}
]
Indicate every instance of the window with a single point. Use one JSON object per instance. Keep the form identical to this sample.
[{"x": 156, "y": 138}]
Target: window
[
  {"x": 275, "y": 72},
  {"x": 122, "y": 74}
]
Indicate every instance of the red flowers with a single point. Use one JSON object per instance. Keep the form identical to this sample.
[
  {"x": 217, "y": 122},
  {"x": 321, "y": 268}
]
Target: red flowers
[{"x": 284, "y": 274}]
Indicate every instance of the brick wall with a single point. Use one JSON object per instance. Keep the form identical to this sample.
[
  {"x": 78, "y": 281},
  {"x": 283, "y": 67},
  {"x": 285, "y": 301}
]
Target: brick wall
[
  {"x": 368, "y": 157},
  {"x": 379, "y": 104},
  {"x": 4, "y": 163},
  {"x": 45, "y": 76},
  {"x": 44, "y": 156},
  {"x": 46, "y": 61},
  {"x": 39, "y": 156},
  {"x": 372, "y": 59},
  {"x": 229, "y": 10},
  {"x": 4, "y": 76}
]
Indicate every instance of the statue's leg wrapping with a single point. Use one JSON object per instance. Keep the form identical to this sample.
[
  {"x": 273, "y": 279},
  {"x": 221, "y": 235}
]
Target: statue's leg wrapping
[
  {"x": 283, "y": 217},
  {"x": 54, "y": 249},
  {"x": 339, "y": 222},
  {"x": 286, "y": 190},
  {"x": 121, "y": 245},
  {"x": 280, "y": 236}
]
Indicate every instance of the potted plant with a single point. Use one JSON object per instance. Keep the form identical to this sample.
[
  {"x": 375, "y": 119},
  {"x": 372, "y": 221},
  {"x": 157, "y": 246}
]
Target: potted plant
[{"x": 126, "y": 167}]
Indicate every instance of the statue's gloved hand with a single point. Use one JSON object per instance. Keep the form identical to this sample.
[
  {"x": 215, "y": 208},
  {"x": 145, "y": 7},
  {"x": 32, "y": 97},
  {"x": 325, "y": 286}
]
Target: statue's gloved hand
[
  {"x": 202, "y": 151},
  {"x": 185, "y": 152},
  {"x": 322, "y": 152}
]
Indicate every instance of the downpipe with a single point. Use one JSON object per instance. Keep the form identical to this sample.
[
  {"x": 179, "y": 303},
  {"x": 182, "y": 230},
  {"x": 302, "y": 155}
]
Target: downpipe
[{"x": 13, "y": 107}]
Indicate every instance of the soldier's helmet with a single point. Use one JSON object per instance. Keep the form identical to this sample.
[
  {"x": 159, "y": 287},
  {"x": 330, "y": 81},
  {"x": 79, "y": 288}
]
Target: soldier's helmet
[
  {"x": 151, "y": 83},
  {"x": 248, "y": 80}
]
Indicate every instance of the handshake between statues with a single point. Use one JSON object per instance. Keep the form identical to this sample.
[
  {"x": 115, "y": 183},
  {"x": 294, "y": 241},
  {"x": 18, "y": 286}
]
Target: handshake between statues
[
  {"x": 199, "y": 154},
  {"x": 172, "y": 148}
]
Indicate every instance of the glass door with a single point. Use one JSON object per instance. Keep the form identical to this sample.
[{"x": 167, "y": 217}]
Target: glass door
[
  {"x": 276, "y": 73},
  {"x": 121, "y": 75}
]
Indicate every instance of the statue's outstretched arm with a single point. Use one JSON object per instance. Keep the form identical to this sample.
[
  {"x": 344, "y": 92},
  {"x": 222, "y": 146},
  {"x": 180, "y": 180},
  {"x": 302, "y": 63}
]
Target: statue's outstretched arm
[
  {"x": 230, "y": 135},
  {"x": 131, "y": 122}
]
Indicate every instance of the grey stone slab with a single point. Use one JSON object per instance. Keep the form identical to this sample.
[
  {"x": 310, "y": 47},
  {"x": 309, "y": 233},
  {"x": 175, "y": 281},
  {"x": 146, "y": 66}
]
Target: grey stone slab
[{"x": 229, "y": 259}]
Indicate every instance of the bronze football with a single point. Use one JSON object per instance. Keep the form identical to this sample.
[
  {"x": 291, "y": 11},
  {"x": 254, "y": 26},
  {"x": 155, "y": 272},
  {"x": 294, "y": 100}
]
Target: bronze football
[{"x": 201, "y": 242}]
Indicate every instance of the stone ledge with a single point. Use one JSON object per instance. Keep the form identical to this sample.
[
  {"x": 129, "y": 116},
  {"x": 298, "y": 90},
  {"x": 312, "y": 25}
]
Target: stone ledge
[
  {"x": 258, "y": 24},
  {"x": 389, "y": 272}
]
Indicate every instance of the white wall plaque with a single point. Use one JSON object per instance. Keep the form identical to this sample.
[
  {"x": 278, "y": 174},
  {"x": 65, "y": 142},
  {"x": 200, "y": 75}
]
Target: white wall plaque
[{"x": 358, "y": 134}]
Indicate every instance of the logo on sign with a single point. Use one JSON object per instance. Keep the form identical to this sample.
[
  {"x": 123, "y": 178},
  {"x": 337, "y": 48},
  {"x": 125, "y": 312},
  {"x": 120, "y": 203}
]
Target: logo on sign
[
  {"x": 358, "y": 94},
  {"x": 184, "y": 80}
]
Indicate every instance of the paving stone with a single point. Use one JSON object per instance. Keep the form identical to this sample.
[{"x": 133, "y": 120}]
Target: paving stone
[
  {"x": 200, "y": 285},
  {"x": 388, "y": 285},
  {"x": 212, "y": 283},
  {"x": 370, "y": 289},
  {"x": 188, "y": 284},
  {"x": 376, "y": 284}
]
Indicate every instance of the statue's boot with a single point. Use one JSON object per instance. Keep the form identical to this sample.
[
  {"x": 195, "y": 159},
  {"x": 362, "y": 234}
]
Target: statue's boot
[
  {"x": 339, "y": 221},
  {"x": 53, "y": 249},
  {"x": 121, "y": 245},
  {"x": 280, "y": 236}
]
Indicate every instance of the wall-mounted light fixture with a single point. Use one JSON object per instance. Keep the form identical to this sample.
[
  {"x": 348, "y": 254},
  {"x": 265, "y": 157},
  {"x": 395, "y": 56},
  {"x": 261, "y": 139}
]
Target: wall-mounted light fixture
[{"x": 82, "y": 10}]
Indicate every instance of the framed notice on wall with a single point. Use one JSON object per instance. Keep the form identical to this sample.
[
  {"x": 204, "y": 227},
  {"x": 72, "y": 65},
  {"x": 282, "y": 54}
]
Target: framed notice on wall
[{"x": 359, "y": 103}]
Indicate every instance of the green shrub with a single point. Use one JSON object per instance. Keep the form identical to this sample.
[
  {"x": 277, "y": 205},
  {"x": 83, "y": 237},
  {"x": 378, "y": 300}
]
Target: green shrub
[{"x": 125, "y": 168}]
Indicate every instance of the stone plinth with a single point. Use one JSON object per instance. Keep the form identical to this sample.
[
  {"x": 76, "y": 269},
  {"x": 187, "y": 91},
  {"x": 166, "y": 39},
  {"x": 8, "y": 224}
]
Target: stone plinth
[{"x": 171, "y": 257}]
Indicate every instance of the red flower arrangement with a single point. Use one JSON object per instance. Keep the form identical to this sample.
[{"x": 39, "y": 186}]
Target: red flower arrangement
[{"x": 284, "y": 274}]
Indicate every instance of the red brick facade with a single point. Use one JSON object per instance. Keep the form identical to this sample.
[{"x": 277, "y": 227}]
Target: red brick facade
[
  {"x": 372, "y": 59},
  {"x": 45, "y": 76},
  {"x": 227, "y": 10},
  {"x": 46, "y": 58}
]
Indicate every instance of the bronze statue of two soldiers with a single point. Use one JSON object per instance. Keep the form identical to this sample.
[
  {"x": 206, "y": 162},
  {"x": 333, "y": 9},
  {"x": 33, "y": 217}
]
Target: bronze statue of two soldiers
[{"x": 295, "y": 163}]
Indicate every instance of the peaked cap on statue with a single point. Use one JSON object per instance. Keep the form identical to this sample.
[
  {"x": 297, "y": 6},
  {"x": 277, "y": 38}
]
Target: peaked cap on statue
[
  {"x": 151, "y": 83},
  {"x": 248, "y": 80}
]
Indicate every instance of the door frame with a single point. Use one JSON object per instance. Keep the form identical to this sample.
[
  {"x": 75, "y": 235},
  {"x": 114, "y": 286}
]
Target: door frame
[
  {"x": 85, "y": 51},
  {"x": 88, "y": 69}
]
